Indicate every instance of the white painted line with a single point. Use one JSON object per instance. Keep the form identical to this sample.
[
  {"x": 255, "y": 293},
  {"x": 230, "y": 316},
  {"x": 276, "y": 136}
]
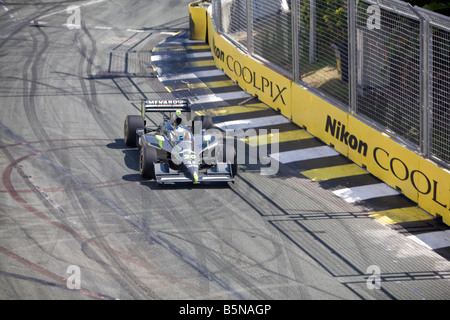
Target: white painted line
[
  {"x": 355, "y": 194},
  {"x": 65, "y": 10},
  {"x": 253, "y": 122},
  {"x": 199, "y": 55},
  {"x": 102, "y": 28},
  {"x": 433, "y": 240},
  {"x": 136, "y": 30},
  {"x": 180, "y": 42},
  {"x": 7, "y": 11},
  {"x": 192, "y": 41},
  {"x": 220, "y": 97},
  {"x": 168, "y": 33},
  {"x": 304, "y": 154},
  {"x": 169, "y": 44},
  {"x": 159, "y": 57},
  {"x": 191, "y": 75}
]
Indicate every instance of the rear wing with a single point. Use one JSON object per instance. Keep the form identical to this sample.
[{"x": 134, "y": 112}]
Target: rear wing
[{"x": 165, "y": 106}]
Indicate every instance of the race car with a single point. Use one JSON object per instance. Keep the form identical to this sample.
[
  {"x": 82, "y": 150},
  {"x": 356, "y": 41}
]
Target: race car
[{"x": 174, "y": 152}]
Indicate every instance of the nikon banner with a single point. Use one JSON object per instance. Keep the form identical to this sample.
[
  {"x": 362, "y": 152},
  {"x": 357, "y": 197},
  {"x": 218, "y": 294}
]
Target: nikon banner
[{"x": 417, "y": 178}]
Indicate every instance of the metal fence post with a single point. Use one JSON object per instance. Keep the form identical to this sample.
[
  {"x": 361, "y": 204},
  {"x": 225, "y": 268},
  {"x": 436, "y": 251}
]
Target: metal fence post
[
  {"x": 352, "y": 52},
  {"x": 426, "y": 107},
  {"x": 250, "y": 40},
  {"x": 295, "y": 15},
  {"x": 426, "y": 125},
  {"x": 219, "y": 15},
  {"x": 312, "y": 31}
]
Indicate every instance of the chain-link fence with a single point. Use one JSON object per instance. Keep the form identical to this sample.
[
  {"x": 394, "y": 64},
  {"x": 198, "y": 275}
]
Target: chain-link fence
[
  {"x": 389, "y": 68},
  {"x": 439, "y": 86},
  {"x": 395, "y": 73},
  {"x": 234, "y": 20},
  {"x": 272, "y": 29}
]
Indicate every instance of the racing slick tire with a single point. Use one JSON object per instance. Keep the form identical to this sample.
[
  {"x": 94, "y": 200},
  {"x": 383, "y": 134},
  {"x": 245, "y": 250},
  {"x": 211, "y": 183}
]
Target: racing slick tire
[
  {"x": 147, "y": 160},
  {"x": 131, "y": 124},
  {"x": 207, "y": 122}
]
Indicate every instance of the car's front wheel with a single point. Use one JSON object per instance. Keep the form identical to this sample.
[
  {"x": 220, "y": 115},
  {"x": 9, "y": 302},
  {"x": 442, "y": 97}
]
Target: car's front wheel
[{"x": 147, "y": 160}]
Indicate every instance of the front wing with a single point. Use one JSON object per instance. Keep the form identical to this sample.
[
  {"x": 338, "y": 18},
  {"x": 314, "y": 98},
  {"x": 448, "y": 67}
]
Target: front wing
[{"x": 221, "y": 172}]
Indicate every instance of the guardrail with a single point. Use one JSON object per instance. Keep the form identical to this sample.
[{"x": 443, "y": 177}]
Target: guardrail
[{"x": 371, "y": 98}]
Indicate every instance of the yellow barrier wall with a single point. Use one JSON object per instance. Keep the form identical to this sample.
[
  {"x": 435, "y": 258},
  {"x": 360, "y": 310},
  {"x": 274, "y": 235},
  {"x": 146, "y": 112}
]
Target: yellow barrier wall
[
  {"x": 269, "y": 86},
  {"x": 197, "y": 21},
  {"x": 419, "y": 179}
]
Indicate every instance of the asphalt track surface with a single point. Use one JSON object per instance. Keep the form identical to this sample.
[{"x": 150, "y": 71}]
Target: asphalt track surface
[{"x": 72, "y": 195}]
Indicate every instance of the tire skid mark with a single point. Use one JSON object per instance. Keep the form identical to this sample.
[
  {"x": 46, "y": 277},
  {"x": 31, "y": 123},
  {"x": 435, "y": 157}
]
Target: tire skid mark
[
  {"x": 92, "y": 106},
  {"x": 111, "y": 263},
  {"x": 213, "y": 258},
  {"x": 15, "y": 195},
  {"x": 89, "y": 90},
  {"x": 6, "y": 181},
  {"x": 29, "y": 93},
  {"x": 90, "y": 99},
  {"x": 53, "y": 140},
  {"x": 61, "y": 282},
  {"x": 25, "y": 22},
  {"x": 251, "y": 260},
  {"x": 106, "y": 184},
  {"x": 90, "y": 94},
  {"x": 31, "y": 114}
]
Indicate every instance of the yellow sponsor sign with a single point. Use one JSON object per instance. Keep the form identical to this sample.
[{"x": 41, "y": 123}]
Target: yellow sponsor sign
[
  {"x": 253, "y": 77},
  {"x": 419, "y": 179},
  {"x": 308, "y": 111}
]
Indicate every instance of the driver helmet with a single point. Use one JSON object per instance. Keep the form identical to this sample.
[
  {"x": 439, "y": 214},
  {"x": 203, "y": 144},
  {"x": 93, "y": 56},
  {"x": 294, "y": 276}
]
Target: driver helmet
[
  {"x": 179, "y": 132},
  {"x": 176, "y": 119}
]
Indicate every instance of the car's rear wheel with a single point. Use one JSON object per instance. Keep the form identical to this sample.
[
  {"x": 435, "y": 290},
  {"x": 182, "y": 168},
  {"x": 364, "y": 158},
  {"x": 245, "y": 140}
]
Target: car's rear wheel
[
  {"x": 147, "y": 160},
  {"x": 131, "y": 124}
]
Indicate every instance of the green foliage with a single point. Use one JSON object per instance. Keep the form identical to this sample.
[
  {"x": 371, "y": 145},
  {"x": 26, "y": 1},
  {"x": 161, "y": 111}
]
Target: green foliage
[
  {"x": 436, "y": 5},
  {"x": 333, "y": 14}
]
